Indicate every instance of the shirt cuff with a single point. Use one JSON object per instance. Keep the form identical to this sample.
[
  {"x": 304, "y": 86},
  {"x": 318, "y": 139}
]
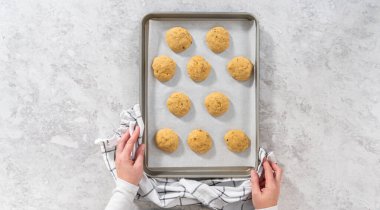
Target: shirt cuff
[
  {"x": 269, "y": 208},
  {"x": 126, "y": 187}
]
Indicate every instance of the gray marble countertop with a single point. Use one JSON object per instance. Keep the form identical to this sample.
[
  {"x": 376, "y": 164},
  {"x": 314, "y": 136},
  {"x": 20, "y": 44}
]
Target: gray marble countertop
[{"x": 67, "y": 68}]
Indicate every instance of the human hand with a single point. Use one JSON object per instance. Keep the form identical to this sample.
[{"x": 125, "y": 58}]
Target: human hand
[
  {"x": 265, "y": 193},
  {"x": 127, "y": 169}
]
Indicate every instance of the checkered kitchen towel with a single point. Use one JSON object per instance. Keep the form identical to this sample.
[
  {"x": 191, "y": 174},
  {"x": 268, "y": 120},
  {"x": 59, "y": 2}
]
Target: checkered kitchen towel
[{"x": 228, "y": 193}]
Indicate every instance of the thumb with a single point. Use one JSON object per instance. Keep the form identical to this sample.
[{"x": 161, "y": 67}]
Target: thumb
[{"x": 255, "y": 183}]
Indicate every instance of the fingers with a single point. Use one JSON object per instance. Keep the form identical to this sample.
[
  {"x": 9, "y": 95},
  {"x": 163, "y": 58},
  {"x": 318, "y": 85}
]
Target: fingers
[
  {"x": 121, "y": 144},
  {"x": 277, "y": 171},
  {"x": 269, "y": 177},
  {"x": 131, "y": 142},
  {"x": 255, "y": 183},
  {"x": 140, "y": 156},
  {"x": 262, "y": 183}
]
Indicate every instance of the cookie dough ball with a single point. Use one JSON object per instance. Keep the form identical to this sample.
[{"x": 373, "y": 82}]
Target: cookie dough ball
[
  {"x": 236, "y": 140},
  {"x": 217, "y": 104},
  {"x": 163, "y": 68},
  {"x": 199, "y": 141},
  {"x": 178, "y": 104},
  {"x": 240, "y": 68},
  {"x": 178, "y": 39},
  {"x": 167, "y": 140},
  {"x": 218, "y": 39},
  {"x": 198, "y": 68}
]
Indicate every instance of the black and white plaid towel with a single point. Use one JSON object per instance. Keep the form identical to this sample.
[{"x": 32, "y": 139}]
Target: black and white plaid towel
[{"x": 228, "y": 193}]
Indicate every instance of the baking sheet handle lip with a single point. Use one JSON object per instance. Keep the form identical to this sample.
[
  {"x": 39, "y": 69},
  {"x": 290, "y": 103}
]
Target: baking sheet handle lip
[
  {"x": 226, "y": 15},
  {"x": 257, "y": 90},
  {"x": 142, "y": 87}
]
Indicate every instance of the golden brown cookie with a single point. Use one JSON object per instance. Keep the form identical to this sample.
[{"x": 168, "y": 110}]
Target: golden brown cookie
[
  {"x": 167, "y": 140},
  {"x": 178, "y": 104},
  {"x": 240, "y": 68},
  {"x": 163, "y": 68},
  {"x": 218, "y": 39},
  {"x": 199, "y": 141},
  {"x": 198, "y": 68},
  {"x": 178, "y": 39},
  {"x": 236, "y": 140},
  {"x": 217, "y": 104}
]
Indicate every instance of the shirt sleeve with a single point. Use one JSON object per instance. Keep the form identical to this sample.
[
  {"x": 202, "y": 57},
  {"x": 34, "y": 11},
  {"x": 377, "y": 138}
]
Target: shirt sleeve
[
  {"x": 122, "y": 196},
  {"x": 269, "y": 208}
]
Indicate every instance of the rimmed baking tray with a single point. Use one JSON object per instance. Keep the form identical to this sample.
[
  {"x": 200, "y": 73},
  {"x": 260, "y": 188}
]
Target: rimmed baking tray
[{"x": 219, "y": 162}]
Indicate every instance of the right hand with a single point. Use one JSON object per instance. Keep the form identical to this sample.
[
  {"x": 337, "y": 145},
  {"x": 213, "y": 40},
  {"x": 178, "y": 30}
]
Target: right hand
[{"x": 265, "y": 193}]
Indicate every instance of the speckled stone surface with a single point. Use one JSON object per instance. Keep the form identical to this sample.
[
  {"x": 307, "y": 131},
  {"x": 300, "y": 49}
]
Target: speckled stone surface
[{"x": 67, "y": 68}]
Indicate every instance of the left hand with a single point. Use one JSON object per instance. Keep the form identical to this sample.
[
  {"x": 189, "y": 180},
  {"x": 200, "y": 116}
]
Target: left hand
[{"x": 127, "y": 169}]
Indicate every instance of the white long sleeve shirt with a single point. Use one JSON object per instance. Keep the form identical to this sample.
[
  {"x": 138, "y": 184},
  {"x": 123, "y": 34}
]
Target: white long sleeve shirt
[{"x": 124, "y": 193}]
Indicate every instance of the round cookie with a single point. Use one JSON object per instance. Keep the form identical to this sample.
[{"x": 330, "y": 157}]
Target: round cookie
[
  {"x": 178, "y": 104},
  {"x": 167, "y": 140},
  {"x": 178, "y": 39},
  {"x": 236, "y": 140},
  {"x": 199, "y": 141},
  {"x": 217, "y": 104},
  {"x": 218, "y": 39},
  {"x": 163, "y": 68},
  {"x": 240, "y": 68},
  {"x": 198, "y": 68}
]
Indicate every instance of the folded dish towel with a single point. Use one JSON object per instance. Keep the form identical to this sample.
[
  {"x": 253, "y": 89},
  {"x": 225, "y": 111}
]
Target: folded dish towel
[{"x": 227, "y": 193}]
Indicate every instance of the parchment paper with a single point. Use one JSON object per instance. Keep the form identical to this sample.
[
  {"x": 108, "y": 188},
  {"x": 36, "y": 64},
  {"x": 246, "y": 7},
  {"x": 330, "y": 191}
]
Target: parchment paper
[{"x": 241, "y": 114}]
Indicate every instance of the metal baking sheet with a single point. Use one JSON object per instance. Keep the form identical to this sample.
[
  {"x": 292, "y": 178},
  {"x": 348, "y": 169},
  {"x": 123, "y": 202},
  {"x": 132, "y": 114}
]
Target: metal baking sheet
[{"x": 219, "y": 161}]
